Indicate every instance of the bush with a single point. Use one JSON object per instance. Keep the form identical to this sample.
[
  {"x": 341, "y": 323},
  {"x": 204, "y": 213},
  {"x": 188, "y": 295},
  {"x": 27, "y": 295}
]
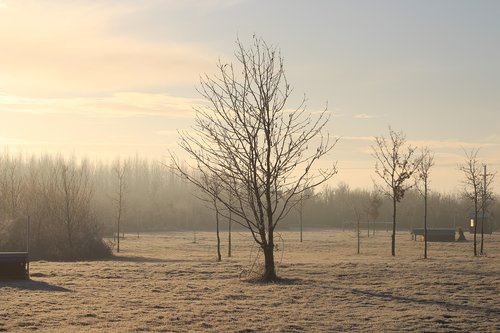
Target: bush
[{"x": 88, "y": 243}]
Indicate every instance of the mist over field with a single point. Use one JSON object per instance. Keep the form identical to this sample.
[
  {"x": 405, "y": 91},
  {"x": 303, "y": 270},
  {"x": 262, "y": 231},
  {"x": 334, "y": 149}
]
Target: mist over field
[{"x": 155, "y": 199}]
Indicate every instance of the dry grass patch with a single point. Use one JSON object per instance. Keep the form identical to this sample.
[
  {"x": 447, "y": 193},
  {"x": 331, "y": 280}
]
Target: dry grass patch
[{"x": 167, "y": 283}]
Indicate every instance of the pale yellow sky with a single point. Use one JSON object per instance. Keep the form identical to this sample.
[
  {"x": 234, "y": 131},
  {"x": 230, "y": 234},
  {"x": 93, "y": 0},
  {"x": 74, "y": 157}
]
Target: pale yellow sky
[{"x": 109, "y": 78}]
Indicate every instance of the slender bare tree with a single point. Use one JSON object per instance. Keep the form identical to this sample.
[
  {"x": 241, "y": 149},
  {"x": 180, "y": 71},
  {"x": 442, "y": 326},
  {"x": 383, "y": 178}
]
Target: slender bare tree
[
  {"x": 215, "y": 186},
  {"x": 257, "y": 148},
  {"x": 395, "y": 164},
  {"x": 422, "y": 184},
  {"x": 229, "y": 227},
  {"x": 357, "y": 215},
  {"x": 11, "y": 184},
  {"x": 487, "y": 197},
  {"x": 301, "y": 213},
  {"x": 372, "y": 209},
  {"x": 472, "y": 185},
  {"x": 120, "y": 171},
  {"x": 73, "y": 193},
  {"x": 303, "y": 197}
]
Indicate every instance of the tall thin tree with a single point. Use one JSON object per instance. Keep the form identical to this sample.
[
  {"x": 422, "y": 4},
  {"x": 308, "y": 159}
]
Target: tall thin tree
[
  {"x": 372, "y": 209},
  {"x": 472, "y": 185},
  {"x": 215, "y": 186},
  {"x": 304, "y": 196},
  {"x": 487, "y": 197},
  {"x": 120, "y": 171},
  {"x": 229, "y": 228},
  {"x": 422, "y": 184},
  {"x": 73, "y": 194},
  {"x": 395, "y": 164}
]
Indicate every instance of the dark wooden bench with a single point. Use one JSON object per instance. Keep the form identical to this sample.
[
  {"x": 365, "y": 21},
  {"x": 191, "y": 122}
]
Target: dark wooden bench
[
  {"x": 14, "y": 265},
  {"x": 435, "y": 234}
]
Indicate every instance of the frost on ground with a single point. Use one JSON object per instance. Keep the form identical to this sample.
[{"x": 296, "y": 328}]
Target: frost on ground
[{"x": 167, "y": 283}]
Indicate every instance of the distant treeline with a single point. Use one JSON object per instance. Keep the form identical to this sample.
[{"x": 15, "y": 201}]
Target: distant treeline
[
  {"x": 334, "y": 206},
  {"x": 72, "y": 205}
]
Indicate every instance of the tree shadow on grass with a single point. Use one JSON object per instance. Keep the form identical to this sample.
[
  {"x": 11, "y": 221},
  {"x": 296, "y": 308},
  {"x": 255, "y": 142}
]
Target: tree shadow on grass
[
  {"x": 118, "y": 258},
  {"x": 278, "y": 281},
  {"x": 145, "y": 259},
  {"x": 289, "y": 281},
  {"x": 32, "y": 285},
  {"x": 447, "y": 305},
  {"x": 477, "y": 273}
]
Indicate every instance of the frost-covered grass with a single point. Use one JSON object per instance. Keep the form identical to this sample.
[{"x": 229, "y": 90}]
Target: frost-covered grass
[{"x": 167, "y": 283}]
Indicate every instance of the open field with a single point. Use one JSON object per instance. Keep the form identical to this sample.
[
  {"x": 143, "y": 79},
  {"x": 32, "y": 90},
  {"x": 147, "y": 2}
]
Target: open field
[{"x": 167, "y": 283}]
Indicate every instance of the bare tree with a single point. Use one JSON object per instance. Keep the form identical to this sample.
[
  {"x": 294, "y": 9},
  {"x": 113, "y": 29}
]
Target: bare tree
[
  {"x": 357, "y": 215},
  {"x": 216, "y": 208},
  {"x": 46, "y": 200},
  {"x": 256, "y": 148},
  {"x": 73, "y": 192},
  {"x": 11, "y": 184},
  {"x": 472, "y": 186},
  {"x": 486, "y": 198},
  {"x": 423, "y": 173},
  {"x": 120, "y": 171},
  {"x": 395, "y": 165},
  {"x": 301, "y": 211},
  {"x": 215, "y": 187},
  {"x": 38, "y": 192},
  {"x": 303, "y": 197},
  {"x": 372, "y": 209},
  {"x": 229, "y": 227}
]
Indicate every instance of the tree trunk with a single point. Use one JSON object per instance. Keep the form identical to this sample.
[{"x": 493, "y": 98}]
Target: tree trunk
[
  {"x": 229, "y": 236},
  {"x": 475, "y": 230},
  {"x": 229, "y": 243},
  {"x": 300, "y": 221},
  {"x": 483, "y": 204},
  {"x": 70, "y": 242},
  {"x": 118, "y": 234},
  {"x": 482, "y": 233},
  {"x": 219, "y": 257},
  {"x": 269, "y": 274},
  {"x": 393, "y": 245},
  {"x": 358, "y": 232},
  {"x": 475, "y": 233},
  {"x": 425, "y": 221}
]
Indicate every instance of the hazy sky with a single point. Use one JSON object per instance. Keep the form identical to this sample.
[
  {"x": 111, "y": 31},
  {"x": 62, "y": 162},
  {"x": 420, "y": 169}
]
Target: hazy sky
[{"x": 108, "y": 78}]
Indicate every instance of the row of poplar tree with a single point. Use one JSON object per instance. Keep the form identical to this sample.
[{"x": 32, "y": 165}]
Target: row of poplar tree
[{"x": 74, "y": 205}]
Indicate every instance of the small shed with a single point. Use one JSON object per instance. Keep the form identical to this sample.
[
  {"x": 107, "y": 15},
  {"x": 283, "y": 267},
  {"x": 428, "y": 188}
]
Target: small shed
[
  {"x": 434, "y": 234},
  {"x": 14, "y": 265}
]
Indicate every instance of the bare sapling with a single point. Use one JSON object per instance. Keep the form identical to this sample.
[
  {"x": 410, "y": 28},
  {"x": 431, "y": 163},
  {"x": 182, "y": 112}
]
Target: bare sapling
[
  {"x": 472, "y": 186},
  {"x": 395, "y": 164},
  {"x": 422, "y": 185}
]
